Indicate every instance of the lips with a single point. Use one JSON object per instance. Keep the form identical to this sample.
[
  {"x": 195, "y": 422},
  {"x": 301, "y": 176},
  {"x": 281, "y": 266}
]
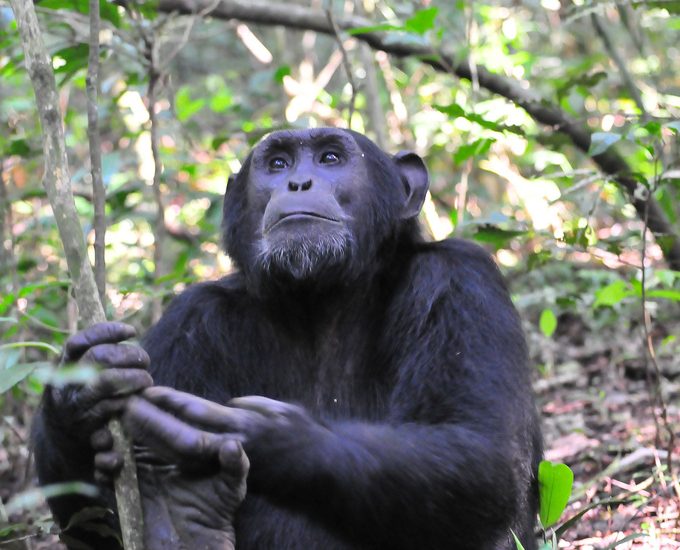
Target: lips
[{"x": 301, "y": 215}]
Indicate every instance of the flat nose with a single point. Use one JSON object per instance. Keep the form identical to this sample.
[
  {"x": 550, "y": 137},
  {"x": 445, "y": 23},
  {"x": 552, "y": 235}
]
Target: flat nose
[{"x": 299, "y": 186}]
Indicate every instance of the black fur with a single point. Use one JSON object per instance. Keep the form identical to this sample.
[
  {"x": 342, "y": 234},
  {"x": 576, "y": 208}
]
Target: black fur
[{"x": 413, "y": 360}]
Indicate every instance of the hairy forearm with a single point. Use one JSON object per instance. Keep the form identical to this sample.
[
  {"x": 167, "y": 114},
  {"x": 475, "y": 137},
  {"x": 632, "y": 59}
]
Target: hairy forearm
[{"x": 387, "y": 484}]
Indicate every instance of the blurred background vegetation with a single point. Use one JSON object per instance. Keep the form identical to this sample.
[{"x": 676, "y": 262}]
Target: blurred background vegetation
[{"x": 185, "y": 95}]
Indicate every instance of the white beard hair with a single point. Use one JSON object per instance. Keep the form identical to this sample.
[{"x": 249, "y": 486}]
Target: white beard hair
[{"x": 303, "y": 258}]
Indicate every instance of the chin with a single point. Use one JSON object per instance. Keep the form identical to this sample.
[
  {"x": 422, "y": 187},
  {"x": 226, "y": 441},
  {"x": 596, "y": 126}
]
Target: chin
[{"x": 309, "y": 257}]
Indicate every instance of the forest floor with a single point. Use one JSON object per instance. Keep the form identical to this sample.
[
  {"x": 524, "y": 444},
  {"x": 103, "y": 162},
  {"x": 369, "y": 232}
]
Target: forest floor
[
  {"x": 595, "y": 404},
  {"x": 598, "y": 418}
]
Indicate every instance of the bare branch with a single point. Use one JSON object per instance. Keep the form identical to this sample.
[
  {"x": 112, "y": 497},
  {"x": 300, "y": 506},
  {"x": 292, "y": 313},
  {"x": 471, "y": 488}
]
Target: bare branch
[
  {"x": 345, "y": 64},
  {"x": 99, "y": 193},
  {"x": 618, "y": 61}
]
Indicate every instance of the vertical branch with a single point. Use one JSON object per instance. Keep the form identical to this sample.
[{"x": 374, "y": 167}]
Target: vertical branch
[
  {"x": 57, "y": 183},
  {"x": 57, "y": 179},
  {"x": 98, "y": 191},
  {"x": 655, "y": 391},
  {"x": 159, "y": 225},
  {"x": 621, "y": 65},
  {"x": 6, "y": 251},
  {"x": 345, "y": 64},
  {"x": 376, "y": 114}
]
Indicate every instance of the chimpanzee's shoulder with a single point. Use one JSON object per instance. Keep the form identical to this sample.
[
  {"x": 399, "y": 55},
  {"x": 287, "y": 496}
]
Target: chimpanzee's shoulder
[{"x": 455, "y": 258}]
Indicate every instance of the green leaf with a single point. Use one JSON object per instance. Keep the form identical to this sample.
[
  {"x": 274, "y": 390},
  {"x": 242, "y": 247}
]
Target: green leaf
[
  {"x": 555, "y": 482},
  {"x": 666, "y": 294},
  {"x": 75, "y": 58},
  {"x": 281, "y": 72},
  {"x": 108, "y": 11},
  {"x": 477, "y": 148},
  {"x": 612, "y": 294},
  {"x": 518, "y": 544},
  {"x": 601, "y": 141},
  {"x": 454, "y": 111},
  {"x": 221, "y": 101},
  {"x": 547, "y": 323},
  {"x": 422, "y": 21},
  {"x": 8, "y": 358},
  {"x": 186, "y": 107},
  {"x": 15, "y": 374},
  {"x": 384, "y": 27},
  {"x": 653, "y": 127},
  {"x": 496, "y": 236},
  {"x": 19, "y": 147}
]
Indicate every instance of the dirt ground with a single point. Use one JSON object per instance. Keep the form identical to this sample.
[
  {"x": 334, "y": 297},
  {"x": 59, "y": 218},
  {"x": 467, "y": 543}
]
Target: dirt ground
[{"x": 599, "y": 418}]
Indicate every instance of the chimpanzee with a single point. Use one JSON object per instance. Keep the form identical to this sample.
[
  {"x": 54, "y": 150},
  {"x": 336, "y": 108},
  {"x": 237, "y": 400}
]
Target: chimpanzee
[{"x": 376, "y": 382}]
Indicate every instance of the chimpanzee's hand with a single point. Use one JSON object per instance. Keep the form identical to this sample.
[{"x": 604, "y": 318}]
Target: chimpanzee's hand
[
  {"x": 191, "y": 481},
  {"x": 277, "y": 437},
  {"x": 76, "y": 412}
]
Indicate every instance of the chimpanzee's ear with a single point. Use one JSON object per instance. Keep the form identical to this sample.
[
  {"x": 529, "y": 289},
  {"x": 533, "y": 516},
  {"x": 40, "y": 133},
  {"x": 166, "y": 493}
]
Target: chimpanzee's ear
[{"x": 416, "y": 181}]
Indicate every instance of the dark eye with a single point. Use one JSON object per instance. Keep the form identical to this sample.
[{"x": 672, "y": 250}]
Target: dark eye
[
  {"x": 329, "y": 157},
  {"x": 278, "y": 163}
]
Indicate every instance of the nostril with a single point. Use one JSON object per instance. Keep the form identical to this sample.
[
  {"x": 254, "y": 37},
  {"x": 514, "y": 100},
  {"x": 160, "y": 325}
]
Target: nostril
[{"x": 304, "y": 186}]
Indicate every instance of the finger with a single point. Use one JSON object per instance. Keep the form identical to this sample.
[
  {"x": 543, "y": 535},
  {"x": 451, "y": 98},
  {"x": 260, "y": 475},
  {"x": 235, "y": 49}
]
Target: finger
[
  {"x": 108, "y": 463},
  {"x": 195, "y": 410},
  {"x": 118, "y": 355},
  {"x": 233, "y": 459},
  {"x": 102, "y": 411},
  {"x": 100, "y": 333},
  {"x": 169, "y": 437},
  {"x": 102, "y": 440},
  {"x": 117, "y": 383},
  {"x": 264, "y": 406}
]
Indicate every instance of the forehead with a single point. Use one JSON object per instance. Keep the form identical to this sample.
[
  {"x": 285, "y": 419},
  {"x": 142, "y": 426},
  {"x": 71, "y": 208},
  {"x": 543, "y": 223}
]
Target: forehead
[{"x": 307, "y": 139}]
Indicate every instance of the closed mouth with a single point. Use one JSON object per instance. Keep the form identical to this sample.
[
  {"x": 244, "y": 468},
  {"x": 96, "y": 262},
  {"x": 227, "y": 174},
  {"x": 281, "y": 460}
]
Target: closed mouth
[{"x": 300, "y": 216}]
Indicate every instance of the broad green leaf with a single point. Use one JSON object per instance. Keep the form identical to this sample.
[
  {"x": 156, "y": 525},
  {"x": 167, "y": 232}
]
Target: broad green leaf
[
  {"x": 478, "y": 147},
  {"x": 666, "y": 294},
  {"x": 8, "y": 358},
  {"x": 454, "y": 110},
  {"x": 422, "y": 21},
  {"x": 555, "y": 481},
  {"x": 15, "y": 374},
  {"x": 601, "y": 141},
  {"x": 612, "y": 294},
  {"x": 19, "y": 147},
  {"x": 547, "y": 322},
  {"x": 496, "y": 236},
  {"x": 221, "y": 101},
  {"x": 653, "y": 127},
  {"x": 75, "y": 58},
  {"x": 186, "y": 107},
  {"x": 281, "y": 72}
]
